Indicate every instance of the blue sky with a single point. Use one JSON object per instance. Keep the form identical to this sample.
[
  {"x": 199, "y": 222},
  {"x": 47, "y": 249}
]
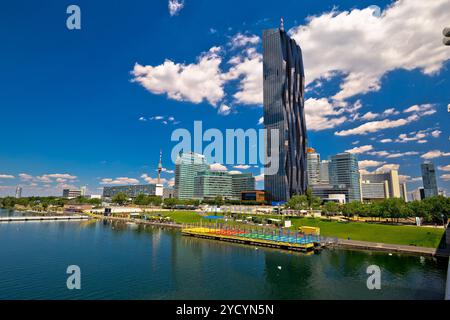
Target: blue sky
[{"x": 71, "y": 100}]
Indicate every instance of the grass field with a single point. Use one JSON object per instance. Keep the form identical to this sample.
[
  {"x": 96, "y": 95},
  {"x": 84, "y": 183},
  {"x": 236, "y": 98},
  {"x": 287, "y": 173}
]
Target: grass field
[{"x": 406, "y": 235}]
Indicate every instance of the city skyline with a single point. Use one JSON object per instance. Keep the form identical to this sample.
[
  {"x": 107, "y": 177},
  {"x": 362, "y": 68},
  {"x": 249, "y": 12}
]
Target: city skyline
[{"x": 106, "y": 86}]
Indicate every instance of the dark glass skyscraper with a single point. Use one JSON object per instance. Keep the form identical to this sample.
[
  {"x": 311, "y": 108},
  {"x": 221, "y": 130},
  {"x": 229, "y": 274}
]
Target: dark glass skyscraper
[
  {"x": 284, "y": 110},
  {"x": 344, "y": 171},
  {"x": 430, "y": 188}
]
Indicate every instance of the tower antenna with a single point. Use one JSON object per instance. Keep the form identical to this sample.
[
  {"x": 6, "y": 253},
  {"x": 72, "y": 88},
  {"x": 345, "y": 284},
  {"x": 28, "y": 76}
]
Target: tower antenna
[
  {"x": 160, "y": 167},
  {"x": 282, "y": 24}
]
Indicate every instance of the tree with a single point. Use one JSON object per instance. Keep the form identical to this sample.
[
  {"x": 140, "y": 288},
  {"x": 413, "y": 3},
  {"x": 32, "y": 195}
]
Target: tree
[
  {"x": 120, "y": 198},
  {"x": 298, "y": 202},
  {"x": 330, "y": 208}
]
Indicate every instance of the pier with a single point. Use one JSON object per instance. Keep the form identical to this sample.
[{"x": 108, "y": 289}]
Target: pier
[
  {"x": 267, "y": 238},
  {"x": 43, "y": 218}
]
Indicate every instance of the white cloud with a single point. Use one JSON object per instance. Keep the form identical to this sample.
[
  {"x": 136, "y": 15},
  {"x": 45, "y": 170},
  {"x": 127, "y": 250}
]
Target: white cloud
[
  {"x": 402, "y": 154},
  {"x": 435, "y": 154},
  {"x": 193, "y": 82},
  {"x": 374, "y": 126},
  {"x": 142, "y": 119},
  {"x": 360, "y": 150},
  {"x": 382, "y": 153},
  {"x": 25, "y": 177},
  {"x": 247, "y": 68},
  {"x": 261, "y": 120},
  {"x": 6, "y": 176},
  {"x": 390, "y": 112},
  {"x": 387, "y": 167},
  {"x": 217, "y": 167},
  {"x": 242, "y": 40},
  {"x": 259, "y": 177},
  {"x": 369, "y": 164},
  {"x": 370, "y": 116},
  {"x": 445, "y": 177},
  {"x": 404, "y": 36},
  {"x": 444, "y": 168},
  {"x": 385, "y": 140},
  {"x": 436, "y": 133},
  {"x": 224, "y": 110},
  {"x": 119, "y": 181},
  {"x": 242, "y": 166},
  {"x": 321, "y": 114},
  {"x": 234, "y": 172},
  {"x": 175, "y": 6},
  {"x": 151, "y": 180}
]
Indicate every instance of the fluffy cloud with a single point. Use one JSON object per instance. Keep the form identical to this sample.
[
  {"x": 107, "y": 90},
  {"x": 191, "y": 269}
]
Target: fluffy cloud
[
  {"x": 321, "y": 114},
  {"x": 369, "y": 164},
  {"x": 175, "y": 6},
  {"x": 361, "y": 149},
  {"x": 386, "y": 140},
  {"x": 242, "y": 166},
  {"x": 25, "y": 177},
  {"x": 234, "y": 172},
  {"x": 242, "y": 40},
  {"x": 435, "y": 154},
  {"x": 248, "y": 69},
  {"x": 445, "y": 177},
  {"x": 404, "y": 36},
  {"x": 151, "y": 180},
  {"x": 224, "y": 110},
  {"x": 374, "y": 126},
  {"x": 218, "y": 167},
  {"x": 194, "y": 82},
  {"x": 444, "y": 168},
  {"x": 119, "y": 181},
  {"x": 259, "y": 177},
  {"x": 261, "y": 120},
  {"x": 6, "y": 176},
  {"x": 402, "y": 154},
  {"x": 387, "y": 167}
]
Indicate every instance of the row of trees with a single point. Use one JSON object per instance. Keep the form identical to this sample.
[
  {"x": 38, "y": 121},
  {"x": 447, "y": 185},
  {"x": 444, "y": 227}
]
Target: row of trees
[
  {"x": 43, "y": 203},
  {"x": 144, "y": 200},
  {"x": 435, "y": 209}
]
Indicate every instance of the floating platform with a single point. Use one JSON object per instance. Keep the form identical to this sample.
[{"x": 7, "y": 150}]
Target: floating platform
[{"x": 267, "y": 238}]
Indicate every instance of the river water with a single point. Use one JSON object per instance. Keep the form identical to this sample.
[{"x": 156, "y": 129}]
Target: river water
[{"x": 123, "y": 261}]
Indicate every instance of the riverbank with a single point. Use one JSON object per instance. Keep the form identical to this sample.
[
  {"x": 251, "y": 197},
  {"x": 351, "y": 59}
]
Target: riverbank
[{"x": 340, "y": 243}]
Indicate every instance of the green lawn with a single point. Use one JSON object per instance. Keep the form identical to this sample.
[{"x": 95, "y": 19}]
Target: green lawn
[{"x": 406, "y": 235}]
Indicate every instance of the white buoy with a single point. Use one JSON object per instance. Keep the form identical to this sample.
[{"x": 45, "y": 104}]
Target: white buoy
[
  {"x": 279, "y": 267},
  {"x": 390, "y": 254}
]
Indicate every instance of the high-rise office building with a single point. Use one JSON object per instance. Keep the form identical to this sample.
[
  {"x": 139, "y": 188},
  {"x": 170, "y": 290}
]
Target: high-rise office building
[
  {"x": 18, "y": 192},
  {"x": 83, "y": 191},
  {"x": 324, "y": 171},
  {"x": 284, "y": 87},
  {"x": 187, "y": 165},
  {"x": 313, "y": 166},
  {"x": 71, "y": 193},
  {"x": 430, "y": 188},
  {"x": 241, "y": 182},
  {"x": 371, "y": 191},
  {"x": 403, "y": 192},
  {"x": 210, "y": 184},
  {"x": 344, "y": 170},
  {"x": 380, "y": 177}
]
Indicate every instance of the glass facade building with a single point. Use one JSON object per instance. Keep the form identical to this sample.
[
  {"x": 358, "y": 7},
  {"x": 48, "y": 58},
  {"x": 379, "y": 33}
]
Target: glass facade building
[
  {"x": 392, "y": 179},
  {"x": 324, "y": 171},
  {"x": 283, "y": 87},
  {"x": 313, "y": 167},
  {"x": 241, "y": 182},
  {"x": 132, "y": 191},
  {"x": 187, "y": 165},
  {"x": 344, "y": 170},
  {"x": 430, "y": 188},
  {"x": 211, "y": 184}
]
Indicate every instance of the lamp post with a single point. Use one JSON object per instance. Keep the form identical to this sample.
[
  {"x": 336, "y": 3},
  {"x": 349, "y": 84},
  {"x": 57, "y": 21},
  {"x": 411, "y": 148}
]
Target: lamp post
[{"x": 446, "y": 33}]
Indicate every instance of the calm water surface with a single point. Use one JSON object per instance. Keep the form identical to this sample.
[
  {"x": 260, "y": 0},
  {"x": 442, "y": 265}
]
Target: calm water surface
[{"x": 120, "y": 261}]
